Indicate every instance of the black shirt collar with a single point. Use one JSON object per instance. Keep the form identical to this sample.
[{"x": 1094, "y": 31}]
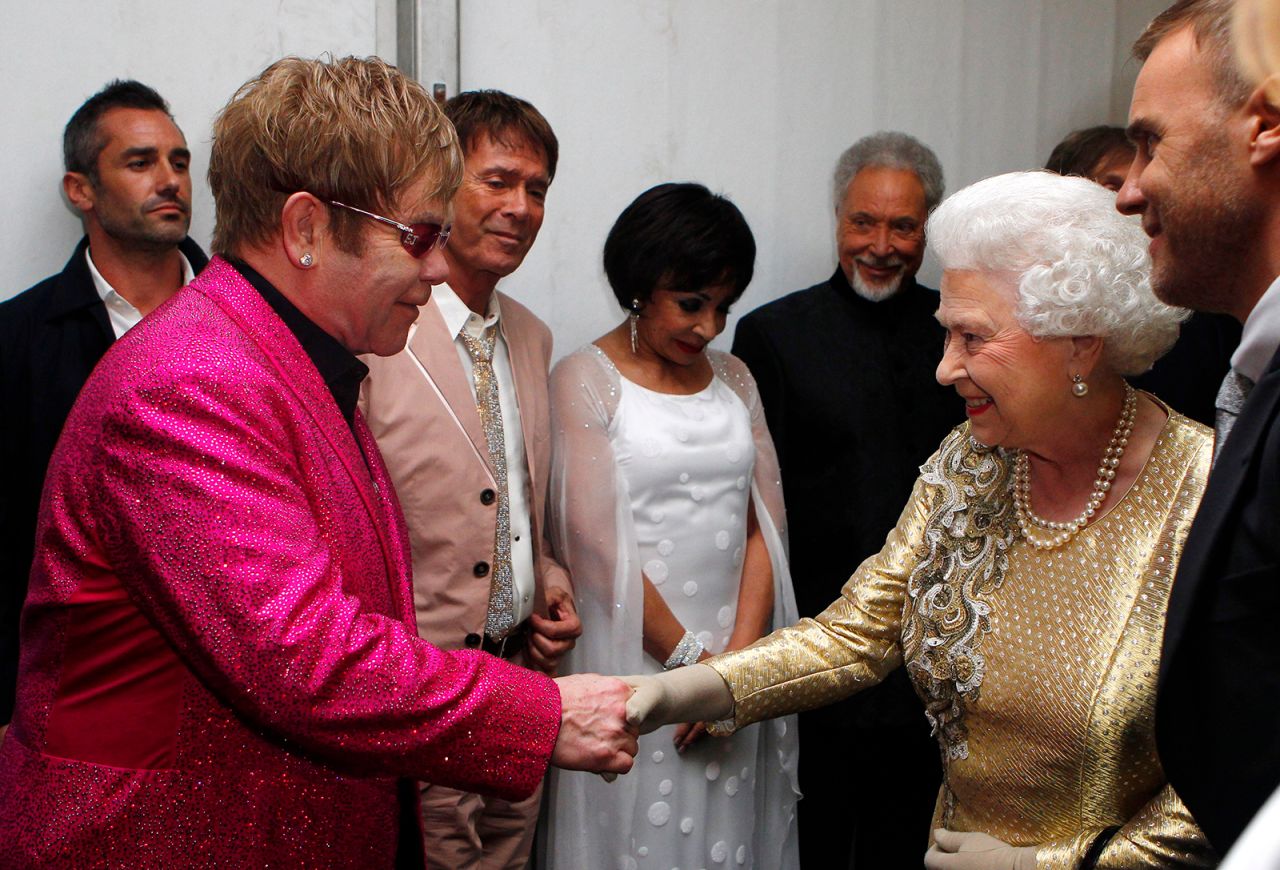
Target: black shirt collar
[{"x": 341, "y": 371}]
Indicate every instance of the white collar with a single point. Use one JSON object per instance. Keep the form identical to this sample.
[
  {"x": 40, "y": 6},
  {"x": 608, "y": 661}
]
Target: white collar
[
  {"x": 1261, "y": 335},
  {"x": 108, "y": 294},
  {"x": 457, "y": 316}
]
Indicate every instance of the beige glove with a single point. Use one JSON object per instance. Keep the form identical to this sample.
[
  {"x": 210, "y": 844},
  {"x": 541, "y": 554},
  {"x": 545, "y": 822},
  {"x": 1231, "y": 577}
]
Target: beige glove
[
  {"x": 957, "y": 850},
  {"x": 690, "y": 694}
]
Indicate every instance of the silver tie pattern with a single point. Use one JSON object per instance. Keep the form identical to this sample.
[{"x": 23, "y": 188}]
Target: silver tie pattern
[
  {"x": 1231, "y": 395},
  {"x": 500, "y": 618}
]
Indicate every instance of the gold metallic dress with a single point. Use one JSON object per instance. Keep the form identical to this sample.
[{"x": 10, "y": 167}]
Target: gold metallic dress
[{"x": 1037, "y": 668}]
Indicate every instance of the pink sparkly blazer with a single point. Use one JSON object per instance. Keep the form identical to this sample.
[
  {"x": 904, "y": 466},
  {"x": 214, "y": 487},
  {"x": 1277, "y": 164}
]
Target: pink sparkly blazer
[{"x": 219, "y": 659}]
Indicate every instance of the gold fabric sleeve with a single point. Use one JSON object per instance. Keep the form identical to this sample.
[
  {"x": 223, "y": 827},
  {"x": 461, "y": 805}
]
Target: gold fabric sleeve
[{"x": 849, "y": 646}]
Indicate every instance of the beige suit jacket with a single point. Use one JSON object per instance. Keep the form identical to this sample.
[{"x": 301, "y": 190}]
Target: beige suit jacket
[{"x": 421, "y": 410}]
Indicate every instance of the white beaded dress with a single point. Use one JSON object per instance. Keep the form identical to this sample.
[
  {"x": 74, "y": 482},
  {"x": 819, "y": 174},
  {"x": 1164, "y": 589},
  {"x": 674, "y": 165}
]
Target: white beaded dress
[{"x": 663, "y": 483}]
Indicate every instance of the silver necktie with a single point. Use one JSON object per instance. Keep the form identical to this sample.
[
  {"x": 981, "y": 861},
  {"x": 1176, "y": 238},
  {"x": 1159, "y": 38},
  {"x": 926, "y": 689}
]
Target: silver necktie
[
  {"x": 500, "y": 618},
  {"x": 1231, "y": 396}
]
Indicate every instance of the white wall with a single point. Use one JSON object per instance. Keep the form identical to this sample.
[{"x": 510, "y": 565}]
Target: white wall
[
  {"x": 56, "y": 53},
  {"x": 757, "y": 98}
]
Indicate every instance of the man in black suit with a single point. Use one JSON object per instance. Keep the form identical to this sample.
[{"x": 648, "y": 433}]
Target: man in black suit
[
  {"x": 127, "y": 172},
  {"x": 846, "y": 371},
  {"x": 1206, "y": 181}
]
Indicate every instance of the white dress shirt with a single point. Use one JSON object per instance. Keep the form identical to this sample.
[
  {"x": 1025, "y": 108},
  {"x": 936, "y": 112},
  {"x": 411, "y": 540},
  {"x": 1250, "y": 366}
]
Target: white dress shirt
[
  {"x": 459, "y": 318},
  {"x": 1261, "y": 335},
  {"x": 124, "y": 316}
]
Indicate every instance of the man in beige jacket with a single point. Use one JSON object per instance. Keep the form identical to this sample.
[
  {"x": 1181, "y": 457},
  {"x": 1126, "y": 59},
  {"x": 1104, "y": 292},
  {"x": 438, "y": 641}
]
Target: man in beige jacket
[{"x": 461, "y": 418}]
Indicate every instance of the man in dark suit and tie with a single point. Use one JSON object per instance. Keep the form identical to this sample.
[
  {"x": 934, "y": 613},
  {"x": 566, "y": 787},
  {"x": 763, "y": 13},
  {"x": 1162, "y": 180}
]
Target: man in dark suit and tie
[
  {"x": 127, "y": 172},
  {"x": 846, "y": 371},
  {"x": 1206, "y": 181}
]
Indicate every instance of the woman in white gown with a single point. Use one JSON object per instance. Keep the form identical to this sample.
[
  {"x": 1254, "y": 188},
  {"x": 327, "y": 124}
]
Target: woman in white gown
[{"x": 667, "y": 509}]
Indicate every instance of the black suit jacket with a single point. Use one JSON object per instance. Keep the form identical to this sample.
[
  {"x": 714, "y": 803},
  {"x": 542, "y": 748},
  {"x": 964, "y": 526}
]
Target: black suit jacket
[
  {"x": 51, "y": 337},
  {"x": 1218, "y": 709},
  {"x": 854, "y": 408}
]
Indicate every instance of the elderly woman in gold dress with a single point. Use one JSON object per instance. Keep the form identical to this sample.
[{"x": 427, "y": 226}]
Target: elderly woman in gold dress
[{"x": 1024, "y": 586}]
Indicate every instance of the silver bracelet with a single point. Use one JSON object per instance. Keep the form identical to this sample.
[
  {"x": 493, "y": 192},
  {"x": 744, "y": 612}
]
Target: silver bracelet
[{"x": 687, "y": 652}]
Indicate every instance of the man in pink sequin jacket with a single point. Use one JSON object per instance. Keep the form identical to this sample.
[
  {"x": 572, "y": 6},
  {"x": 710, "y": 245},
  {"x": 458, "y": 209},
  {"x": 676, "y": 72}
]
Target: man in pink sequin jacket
[{"x": 219, "y": 662}]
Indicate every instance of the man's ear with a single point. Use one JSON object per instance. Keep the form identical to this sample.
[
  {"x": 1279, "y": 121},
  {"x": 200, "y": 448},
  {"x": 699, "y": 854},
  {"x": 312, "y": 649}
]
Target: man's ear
[
  {"x": 79, "y": 190},
  {"x": 1264, "y": 125},
  {"x": 303, "y": 221}
]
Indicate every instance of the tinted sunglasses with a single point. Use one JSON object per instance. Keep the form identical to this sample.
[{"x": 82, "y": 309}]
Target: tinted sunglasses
[{"x": 417, "y": 239}]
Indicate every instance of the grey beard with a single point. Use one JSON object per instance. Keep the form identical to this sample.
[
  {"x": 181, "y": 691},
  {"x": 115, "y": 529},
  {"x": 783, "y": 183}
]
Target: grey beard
[{"x": 875, "y": 292}]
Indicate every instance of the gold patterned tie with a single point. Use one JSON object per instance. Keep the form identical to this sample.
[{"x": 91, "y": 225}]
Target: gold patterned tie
[{"x": 500, "y": 617}]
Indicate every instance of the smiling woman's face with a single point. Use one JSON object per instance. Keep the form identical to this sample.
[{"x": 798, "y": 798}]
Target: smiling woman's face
[
  {"x": 675, "y": 326},
  {"x": 1016, "y": 387}
]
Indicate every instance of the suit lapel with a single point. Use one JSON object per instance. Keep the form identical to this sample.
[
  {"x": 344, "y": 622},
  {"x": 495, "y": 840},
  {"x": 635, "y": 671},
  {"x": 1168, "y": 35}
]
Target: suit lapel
[
  {"x": 1217, "y": 507},
  {"x": 524, "y": 363},
  {"x": 395, "y": 548},
  {"x": 298, "y": 375},
  {"x": 432, "y": 347}
]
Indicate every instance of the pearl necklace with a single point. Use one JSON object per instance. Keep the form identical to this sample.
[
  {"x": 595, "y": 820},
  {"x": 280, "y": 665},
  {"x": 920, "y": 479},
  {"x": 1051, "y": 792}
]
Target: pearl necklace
[{"x": 1065, "y": 531}]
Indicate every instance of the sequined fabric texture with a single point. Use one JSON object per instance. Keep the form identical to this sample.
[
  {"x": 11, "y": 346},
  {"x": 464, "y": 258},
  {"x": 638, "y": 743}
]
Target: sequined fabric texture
[
  {"x": 498, "y": 620},
  {"x": 1044, "y": 703},
  {"x": 219, "y": 662}
]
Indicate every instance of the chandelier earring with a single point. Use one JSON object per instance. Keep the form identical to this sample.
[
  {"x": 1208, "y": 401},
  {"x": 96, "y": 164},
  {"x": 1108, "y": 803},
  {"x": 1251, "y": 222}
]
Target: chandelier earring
[
  {"x": 632, "y": 320},
  {"x": 1079, "y": 388}
]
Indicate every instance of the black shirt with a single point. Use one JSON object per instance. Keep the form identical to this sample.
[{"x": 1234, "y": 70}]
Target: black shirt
[{"x": 341, "y": 371}]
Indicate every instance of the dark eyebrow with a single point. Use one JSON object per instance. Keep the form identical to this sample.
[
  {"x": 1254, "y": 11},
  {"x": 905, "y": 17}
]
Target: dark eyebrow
[
  {"x": 151, "y": 151},
  {"x": 1140, "y": 128}
]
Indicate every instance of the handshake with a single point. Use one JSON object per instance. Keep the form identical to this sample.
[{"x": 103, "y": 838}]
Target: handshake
[{"x": 601, "y": 718}]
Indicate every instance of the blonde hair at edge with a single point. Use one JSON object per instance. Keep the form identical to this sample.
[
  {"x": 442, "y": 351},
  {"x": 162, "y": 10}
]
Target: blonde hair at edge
[
  {"x": 1255, "y": 28},
  {"x": 355, "y": 130}
]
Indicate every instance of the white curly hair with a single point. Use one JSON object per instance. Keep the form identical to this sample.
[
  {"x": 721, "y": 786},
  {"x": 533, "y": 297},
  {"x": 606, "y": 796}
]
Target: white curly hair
[{"x": 1079, "y": 266}]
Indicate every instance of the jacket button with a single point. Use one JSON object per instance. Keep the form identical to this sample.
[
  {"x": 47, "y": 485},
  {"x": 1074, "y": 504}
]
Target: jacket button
[
  {"x": 488, "y": 496},
  {"x": 480, "y": 569},
  {"x": 472, "y": 640}
]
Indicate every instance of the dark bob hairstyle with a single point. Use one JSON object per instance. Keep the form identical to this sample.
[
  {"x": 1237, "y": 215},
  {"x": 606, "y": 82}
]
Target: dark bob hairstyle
[{"x": 678, "y": 237}]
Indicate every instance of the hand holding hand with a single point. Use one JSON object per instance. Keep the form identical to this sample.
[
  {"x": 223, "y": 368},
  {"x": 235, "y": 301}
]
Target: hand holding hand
[
  {"x": 594, "y": 732},
  {"x": 958, "y": 850},
  {"x": 692, "y": 694},
  {"x": 554, "y": 635}
]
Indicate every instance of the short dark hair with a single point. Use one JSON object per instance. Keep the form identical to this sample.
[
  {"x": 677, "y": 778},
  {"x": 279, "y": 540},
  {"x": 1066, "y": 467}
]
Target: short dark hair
[
  {"x": 1082, "y": 149},
  {"x": 1210, "y": 23},
  {"x": 678, "y": 236},
  {"x": 81, "y": 140},
  {"x": 502, "y": 118}
]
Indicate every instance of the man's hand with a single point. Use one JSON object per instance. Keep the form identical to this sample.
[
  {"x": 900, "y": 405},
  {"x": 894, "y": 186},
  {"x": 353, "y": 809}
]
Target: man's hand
[
  {"x": 955, "y": 850},
  {"x": 551, "y": 638},
  {"x": 594, "y": 733}
]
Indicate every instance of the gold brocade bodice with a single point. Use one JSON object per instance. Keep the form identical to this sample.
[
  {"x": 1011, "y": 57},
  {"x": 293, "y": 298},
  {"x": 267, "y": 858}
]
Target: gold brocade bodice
[{"x": 1037, "y": 668}]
